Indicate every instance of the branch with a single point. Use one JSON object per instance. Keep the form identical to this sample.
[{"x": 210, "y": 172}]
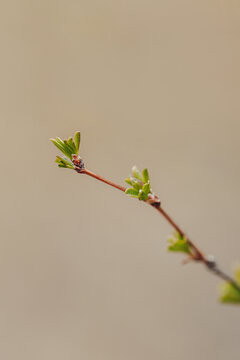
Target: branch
[{"x": 141, "y": 189}]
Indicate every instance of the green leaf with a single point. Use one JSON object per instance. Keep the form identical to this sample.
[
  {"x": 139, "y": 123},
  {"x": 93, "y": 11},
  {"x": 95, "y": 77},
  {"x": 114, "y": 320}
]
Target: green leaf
[
  {"x": 137, "y": 174},
  {"x": 178, "y": 243},
  {"x": 128, "y": 181},
  {"x": 132, "y": 192},
  {"x": 60, "y": 161},
  {"x": 145, "y": 175},
  {"x": 71, "y": 145},
  {"x": 70, "y": 149},
  {"x": 146, "y": 188},
  {"x": 67, "y": 161},
  {"x": 67, "y": 147},
  {"x": 64, "y": 162},
  {"x": 229, "y": 294},
  {"x": 62, "y": 147},
  {"x": 142, "y": 196},
  {"x": 136, "y": 184},
  {"x": 58, "y": 145},
  {"x": 77, "y": 139}
]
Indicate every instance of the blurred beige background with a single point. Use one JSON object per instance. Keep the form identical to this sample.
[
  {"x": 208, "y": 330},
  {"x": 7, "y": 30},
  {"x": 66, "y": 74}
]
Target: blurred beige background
[{"x": 84, "y": 272}]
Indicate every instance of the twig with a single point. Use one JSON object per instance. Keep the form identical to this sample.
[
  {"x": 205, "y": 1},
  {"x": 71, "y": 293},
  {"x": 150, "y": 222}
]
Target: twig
[{"x": 153, "y": 200}]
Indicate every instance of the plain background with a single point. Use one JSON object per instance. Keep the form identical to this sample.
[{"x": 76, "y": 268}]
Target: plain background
[{"x": 84, "y": 271}]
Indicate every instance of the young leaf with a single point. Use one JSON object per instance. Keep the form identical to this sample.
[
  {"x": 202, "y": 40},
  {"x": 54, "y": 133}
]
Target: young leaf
[
  {"x": 67, "y": 161},
  {"x": 145, "y": 175},
  {"x": 132, "y": 192},
  {"x": 58, "y": 145},
  {"x": 128, "y": 181},
  {"x": 62, "y": 147},
  {"x": 71, "y": 149},
  {"x": 64, "y": 162},
  {"x": 77, "y": 138},
  {"x": 137, "y": 174},
  {"x": 142, "y": 196},
  {"x": 71, "y": 145},
  {"x": 146, "y": 188},
  {"x": 229, "y": 294},
  {"x": 179, "y": 244},
  {"x": 67, "y": 147},
  {"x": 136, "y": 184}
]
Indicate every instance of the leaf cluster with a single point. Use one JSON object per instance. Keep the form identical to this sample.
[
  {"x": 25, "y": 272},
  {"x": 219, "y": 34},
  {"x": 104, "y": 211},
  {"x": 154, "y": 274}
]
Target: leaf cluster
[
  {"x": 228, "y": 292},
  {"x": 69, "y": 148},
  {"x": 178, "y": 243},
  {"x": 140, "y": 184}
]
